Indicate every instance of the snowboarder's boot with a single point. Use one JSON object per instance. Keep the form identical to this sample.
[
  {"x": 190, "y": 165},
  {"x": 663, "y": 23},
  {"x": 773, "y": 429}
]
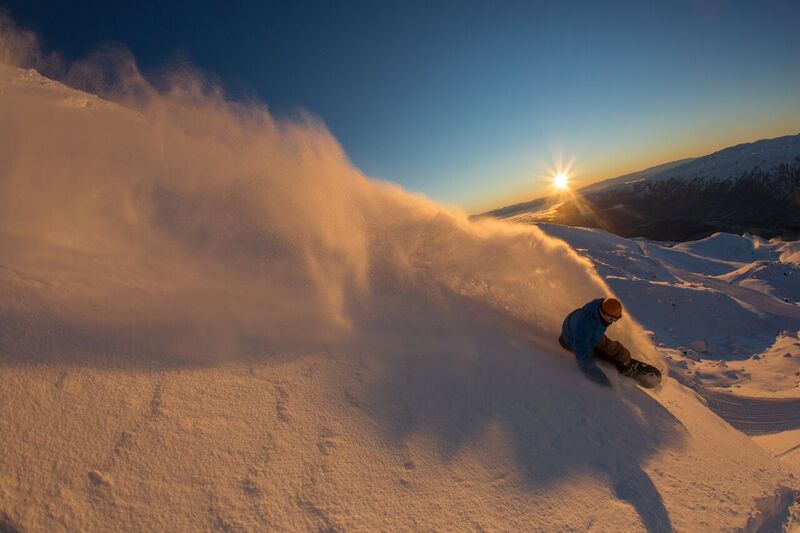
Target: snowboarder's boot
[{"x": 646, "y": 375}]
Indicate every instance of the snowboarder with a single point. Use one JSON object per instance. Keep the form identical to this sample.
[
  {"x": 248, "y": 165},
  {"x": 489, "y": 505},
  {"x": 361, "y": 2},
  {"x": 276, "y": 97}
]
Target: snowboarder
[{"x": 584, "y": 334}]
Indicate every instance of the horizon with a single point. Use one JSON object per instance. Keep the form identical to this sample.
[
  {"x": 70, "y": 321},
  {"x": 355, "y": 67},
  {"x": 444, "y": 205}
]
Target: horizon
[
  {"x": 481, "y": 108},
  {"x": 682, "y": 160}
]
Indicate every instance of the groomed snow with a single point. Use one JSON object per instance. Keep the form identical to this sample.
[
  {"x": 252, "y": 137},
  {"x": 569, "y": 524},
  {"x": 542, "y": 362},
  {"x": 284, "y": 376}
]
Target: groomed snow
[{"x": 212, "y": 321}]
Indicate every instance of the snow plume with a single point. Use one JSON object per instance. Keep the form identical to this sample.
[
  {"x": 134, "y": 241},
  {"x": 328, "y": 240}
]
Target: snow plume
[
  {"x": 21, "y": 48},
  {"x": 170, "y": 221}
]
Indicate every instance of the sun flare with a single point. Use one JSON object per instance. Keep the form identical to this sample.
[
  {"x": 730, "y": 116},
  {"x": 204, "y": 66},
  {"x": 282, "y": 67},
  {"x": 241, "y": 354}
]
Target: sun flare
[{"x": 561, "y": 181}]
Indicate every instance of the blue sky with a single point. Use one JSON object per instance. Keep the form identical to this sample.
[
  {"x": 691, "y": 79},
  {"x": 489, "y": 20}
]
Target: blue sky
[{"x": 472, "y": 102}]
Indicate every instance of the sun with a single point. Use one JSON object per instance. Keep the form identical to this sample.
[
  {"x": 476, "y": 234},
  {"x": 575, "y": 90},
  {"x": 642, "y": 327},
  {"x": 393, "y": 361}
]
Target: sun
[{"x": 561, "y": 181}]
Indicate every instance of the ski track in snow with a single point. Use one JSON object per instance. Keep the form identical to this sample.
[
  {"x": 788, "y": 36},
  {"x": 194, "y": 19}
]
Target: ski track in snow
[
  {"x": 787, "y": 452},
  {"x": 764, "y": 302},
  {"x": 754, "y": 416}
]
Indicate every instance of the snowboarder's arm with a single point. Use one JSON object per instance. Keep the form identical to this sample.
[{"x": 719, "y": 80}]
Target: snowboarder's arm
[
  {"x": 583, "y": 349},
  {"x": 587, "y": 364},
  {"x": 593, "y": 372}
]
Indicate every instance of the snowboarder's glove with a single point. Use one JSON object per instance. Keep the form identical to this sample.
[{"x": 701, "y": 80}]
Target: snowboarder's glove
[{"x": 593, "y": 372}]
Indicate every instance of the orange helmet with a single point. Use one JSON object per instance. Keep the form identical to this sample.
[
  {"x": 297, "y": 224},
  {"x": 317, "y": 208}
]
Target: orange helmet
[{"x": 612, "y": 307}]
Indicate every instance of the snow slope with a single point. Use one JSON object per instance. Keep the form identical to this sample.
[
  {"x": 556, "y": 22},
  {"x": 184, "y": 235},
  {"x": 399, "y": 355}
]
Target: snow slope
[
  {"x": 357, "y": 441},
  {"x": 775, "y": 278},
  {"x": 733, "y": 248},
  {"x": 783, "y": 445},
  {"x": 724, "y": 311},
  {"x": 733, "y": 162},
  {"x": 726, "y": 321},
  {"x": 211, "y": 320}
]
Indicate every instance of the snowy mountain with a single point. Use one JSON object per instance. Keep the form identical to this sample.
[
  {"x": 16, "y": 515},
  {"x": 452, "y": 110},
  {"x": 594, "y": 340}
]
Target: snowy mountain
[
  {"x": 212, "y": 321},
  {"x": 766, "y": 155},
  {"x": 633, "y": 177},
  {"x": 749, "y": 188},
  {"x": 539, "y": 205}
]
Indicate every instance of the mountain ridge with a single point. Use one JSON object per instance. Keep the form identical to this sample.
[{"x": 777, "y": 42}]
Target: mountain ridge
[{"x": 747, "y": 188}]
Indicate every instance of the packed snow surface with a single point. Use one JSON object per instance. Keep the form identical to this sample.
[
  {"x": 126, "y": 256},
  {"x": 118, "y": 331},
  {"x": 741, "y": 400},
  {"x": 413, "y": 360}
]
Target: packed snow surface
[{"x": 212, "y": 321}]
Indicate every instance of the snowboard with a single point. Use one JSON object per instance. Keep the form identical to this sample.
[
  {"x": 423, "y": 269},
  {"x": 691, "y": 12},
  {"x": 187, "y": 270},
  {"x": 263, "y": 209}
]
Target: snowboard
[{"x": 645, "y": 375}]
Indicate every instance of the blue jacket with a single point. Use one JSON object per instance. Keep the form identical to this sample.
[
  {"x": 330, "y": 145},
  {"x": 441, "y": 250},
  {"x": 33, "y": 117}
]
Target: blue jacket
[{"x": 582, "y": 330}]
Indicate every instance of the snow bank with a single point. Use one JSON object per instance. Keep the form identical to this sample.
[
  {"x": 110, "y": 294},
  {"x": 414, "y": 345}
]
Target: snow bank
[
  {"x": 731, "y": 248},
  {"x": 790, "y": 252},
  {"x": 777, "y": 278}
]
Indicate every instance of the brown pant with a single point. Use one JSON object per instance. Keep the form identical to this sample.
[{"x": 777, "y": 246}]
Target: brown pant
[{"x": 606, "y": 350}]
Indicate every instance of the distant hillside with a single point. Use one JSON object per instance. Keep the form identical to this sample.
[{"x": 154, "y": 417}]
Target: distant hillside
[
  {"x": 753, "y": 187},
  {"x": 541, "y": 203},
  {"x": 734, "y": 162},
  {"x": 633, "y": 177}
]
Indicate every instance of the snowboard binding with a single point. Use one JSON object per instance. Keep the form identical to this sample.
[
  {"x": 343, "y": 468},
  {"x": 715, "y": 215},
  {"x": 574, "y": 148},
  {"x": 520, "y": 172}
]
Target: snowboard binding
[{"x": 646, "y": 375}]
